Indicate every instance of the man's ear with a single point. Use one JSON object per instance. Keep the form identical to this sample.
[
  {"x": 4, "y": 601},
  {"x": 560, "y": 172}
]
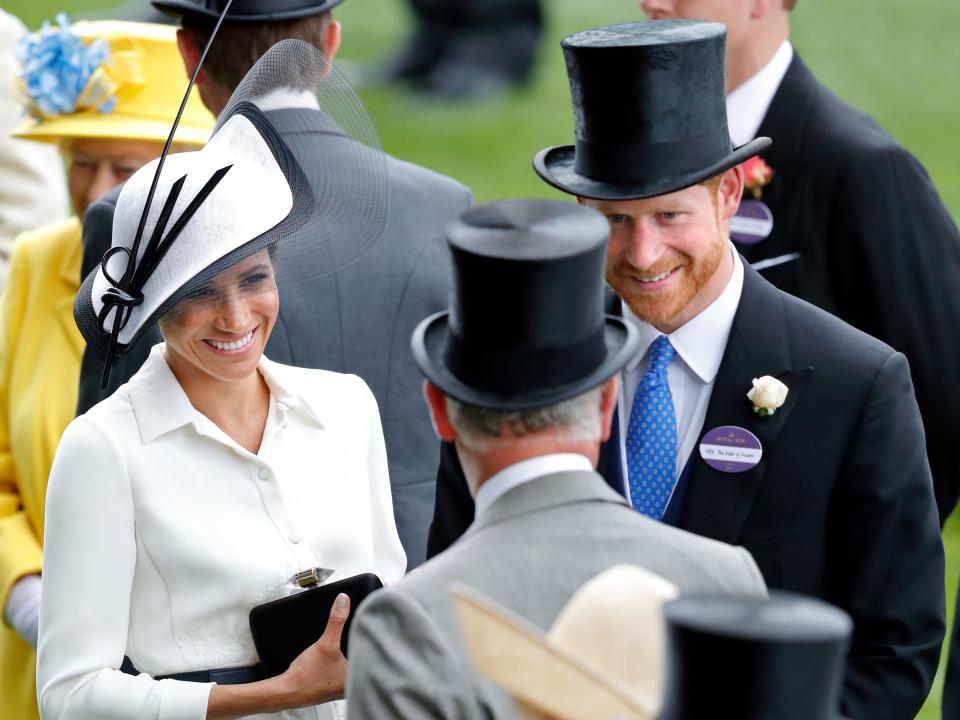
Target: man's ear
[
  {"x": 331, "y": 41},
  {"x": 729, "y": 192},
  {"x": 608, "y": 404},
  {"x": 189, "y": 52},
  {"x": 437, "y": 402}
]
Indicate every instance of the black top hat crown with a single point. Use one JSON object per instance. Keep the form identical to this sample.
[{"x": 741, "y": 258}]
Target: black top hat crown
[
  {"x": 754, "y": 659},
  {"x": 649, "y": 111},
  {"x": 526, "y": 326},
  {"x": 246, "y": 10}
]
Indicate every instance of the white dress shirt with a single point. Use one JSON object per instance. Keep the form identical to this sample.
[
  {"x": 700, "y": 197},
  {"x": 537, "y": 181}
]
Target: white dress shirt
[
  {"x": 524, "y": 471},
  {"x": 747, "y": 105},
  {"x": 162, "y": 533},
  {"x": 700, "y": 345}
]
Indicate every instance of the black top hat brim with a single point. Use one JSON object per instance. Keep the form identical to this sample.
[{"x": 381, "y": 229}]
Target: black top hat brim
[
  {"x": 429, "y": 343},
  {"x": 556, "y": 166},
  {"x": 246, "y": 10}
]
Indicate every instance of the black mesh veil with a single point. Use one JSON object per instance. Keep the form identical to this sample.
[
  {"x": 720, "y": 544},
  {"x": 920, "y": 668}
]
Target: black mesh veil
[{"x": 292, "y": 186}]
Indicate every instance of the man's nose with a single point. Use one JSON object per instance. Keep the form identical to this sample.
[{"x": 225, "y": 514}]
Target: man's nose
[
  {"x": 656, "y": 9},
  {"x": 645, "y": 248},
  {"x": 104, "y": 180}
]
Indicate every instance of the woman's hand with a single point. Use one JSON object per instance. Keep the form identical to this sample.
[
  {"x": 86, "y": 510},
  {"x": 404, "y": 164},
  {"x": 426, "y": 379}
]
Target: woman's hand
[
  {"x": 320, "y": 671},
  {"x": 318, "y": 675}
]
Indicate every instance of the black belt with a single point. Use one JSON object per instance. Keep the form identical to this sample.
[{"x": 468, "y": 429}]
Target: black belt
[{"x": 224, "y": 676}]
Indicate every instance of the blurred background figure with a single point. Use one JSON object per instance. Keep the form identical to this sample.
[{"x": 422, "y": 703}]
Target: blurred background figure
[
  {"x": 602, "y": 659},
  {"x": 32, "y": 187},
  {"x": 466, "y": 49},
  {"x": 858, "y": 228},
  {"x": 106, "y": 93},
  {"x": 750, "y": 659}
]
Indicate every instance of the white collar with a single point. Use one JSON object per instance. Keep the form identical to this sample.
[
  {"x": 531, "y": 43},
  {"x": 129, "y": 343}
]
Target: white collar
[
  {"x": 286, "y": 97},
  {"x": 160, "y": 404},
  {"x": 747, "y": 104},
  {"x": 702, "y": 341},
  {"x": 524, "y": 471}
]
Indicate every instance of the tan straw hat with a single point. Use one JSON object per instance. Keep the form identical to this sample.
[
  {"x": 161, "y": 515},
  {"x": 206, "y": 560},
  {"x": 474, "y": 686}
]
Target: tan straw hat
[{"x": 601, "y": 660}]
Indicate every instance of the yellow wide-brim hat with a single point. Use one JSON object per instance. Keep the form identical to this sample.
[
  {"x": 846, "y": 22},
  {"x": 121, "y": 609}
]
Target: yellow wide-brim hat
[
  {"x": 145, "y": 76},
  {"x": 602, "y": 659}
]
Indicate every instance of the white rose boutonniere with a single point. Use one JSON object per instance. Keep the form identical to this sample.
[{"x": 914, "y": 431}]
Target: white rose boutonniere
[{"x": 767, "y": 394}]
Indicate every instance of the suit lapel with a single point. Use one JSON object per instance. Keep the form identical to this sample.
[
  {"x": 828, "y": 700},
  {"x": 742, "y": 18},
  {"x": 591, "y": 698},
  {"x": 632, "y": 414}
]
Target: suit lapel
[
  {"x": 609, "y": 464},
  {"x": 785, "y": 124},
  {"x": 717, "y": 503}
]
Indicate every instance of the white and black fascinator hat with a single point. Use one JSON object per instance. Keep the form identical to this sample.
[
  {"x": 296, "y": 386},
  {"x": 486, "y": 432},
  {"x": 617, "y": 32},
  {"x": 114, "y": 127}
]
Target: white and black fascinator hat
[{"x": 294, "y": 170}]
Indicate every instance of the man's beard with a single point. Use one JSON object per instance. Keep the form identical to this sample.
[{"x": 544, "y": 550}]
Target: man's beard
[{"x": 658, "y": 308}]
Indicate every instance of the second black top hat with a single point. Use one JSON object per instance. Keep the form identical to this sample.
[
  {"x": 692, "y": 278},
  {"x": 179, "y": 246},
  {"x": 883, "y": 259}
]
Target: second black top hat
[
  {"x": 753, "y": 658},
  {"x": 526, "y": 326},
  {"x": 649, "y": 111}
]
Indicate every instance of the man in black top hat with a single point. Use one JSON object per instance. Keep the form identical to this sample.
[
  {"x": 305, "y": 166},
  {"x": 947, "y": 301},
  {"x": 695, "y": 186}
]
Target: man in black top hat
[
  {"x": 857, "y": 226},
  {"x": 357, "y": 320},
  {"x": 522, "y": 380},
  {"x": 821, "y": 471}
]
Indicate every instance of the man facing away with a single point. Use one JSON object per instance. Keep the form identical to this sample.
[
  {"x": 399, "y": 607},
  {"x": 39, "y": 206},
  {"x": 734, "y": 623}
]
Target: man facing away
[
  {"x": 357, "y": 320},
  {"x": 858, "y": 228},
  {"x": 821, "y": 473},
  {"x": 521, "y": 379}
]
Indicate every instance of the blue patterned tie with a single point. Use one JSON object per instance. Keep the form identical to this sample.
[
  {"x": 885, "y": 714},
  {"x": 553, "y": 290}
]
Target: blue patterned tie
[{"x": 652, "y": 436}]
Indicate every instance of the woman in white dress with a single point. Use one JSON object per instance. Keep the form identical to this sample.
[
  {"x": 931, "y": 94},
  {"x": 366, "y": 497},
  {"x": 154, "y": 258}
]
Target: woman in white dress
[{"x": 202, "y": 486}]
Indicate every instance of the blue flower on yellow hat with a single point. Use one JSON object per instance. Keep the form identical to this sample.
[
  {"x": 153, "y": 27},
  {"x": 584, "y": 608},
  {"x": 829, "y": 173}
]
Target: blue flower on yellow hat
[{"x": 61, "y": 74}]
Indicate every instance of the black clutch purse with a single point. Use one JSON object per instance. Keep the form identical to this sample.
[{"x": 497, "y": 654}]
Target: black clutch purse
[{"x": 284, "y": 628}]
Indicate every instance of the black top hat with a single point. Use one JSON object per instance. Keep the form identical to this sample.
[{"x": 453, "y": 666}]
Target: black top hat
[
  {"x": 649, "y": 111},
  {"x": 526, "y": 326},
  {"x": 246, "y": 10},
  {"x": 753, "y": 659}
]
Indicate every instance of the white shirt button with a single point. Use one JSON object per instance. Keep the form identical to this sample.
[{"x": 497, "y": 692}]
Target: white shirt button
[
  {"x": 294, "y": 538},
  {"x": 263, "y": 474}
]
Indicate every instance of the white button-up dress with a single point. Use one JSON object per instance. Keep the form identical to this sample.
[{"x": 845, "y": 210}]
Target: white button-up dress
[{"x": 162, "y": 533}]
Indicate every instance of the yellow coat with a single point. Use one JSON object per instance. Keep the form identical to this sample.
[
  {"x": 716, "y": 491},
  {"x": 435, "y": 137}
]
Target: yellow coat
[{"x": 40, "y": 351}]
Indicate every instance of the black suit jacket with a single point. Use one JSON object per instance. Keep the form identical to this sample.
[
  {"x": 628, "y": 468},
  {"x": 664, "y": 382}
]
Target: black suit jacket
[
  {"x": 356, "y": 320},
  {"x": 840, "y": 506},
  {"x": 876, "y": 246}
]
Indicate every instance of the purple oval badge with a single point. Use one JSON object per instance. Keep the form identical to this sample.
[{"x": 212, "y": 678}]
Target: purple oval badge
[
  {"x": 730, "y": 449},
  {"x": 752, "y": 223}
]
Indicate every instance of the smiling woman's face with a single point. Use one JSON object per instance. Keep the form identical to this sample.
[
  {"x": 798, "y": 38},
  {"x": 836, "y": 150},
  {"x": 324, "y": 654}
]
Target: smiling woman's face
[{"x": 220, "y": 331}]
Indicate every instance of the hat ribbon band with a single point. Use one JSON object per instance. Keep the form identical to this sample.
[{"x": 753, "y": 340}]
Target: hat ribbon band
[
  {"x": 616, "y": 162},
  {"x": 514, "y": 369}
]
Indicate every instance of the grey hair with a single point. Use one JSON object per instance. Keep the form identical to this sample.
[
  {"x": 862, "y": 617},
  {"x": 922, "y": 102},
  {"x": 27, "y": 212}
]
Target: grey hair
[{"x": 577, "y": 419}]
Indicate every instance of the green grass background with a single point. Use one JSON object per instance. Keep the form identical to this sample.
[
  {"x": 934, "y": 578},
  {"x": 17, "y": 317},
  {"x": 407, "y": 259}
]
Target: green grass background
[{"x": 897, "y": 60}]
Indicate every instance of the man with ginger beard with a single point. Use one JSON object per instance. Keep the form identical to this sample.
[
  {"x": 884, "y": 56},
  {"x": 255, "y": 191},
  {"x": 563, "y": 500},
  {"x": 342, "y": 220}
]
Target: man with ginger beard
[
  {"x": 821, "y": 473},
  {"x": 858, "y": 228}
]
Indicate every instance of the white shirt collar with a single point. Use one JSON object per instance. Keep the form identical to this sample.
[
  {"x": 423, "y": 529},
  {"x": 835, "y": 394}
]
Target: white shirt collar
[
  {"x": 286, "y": 97},
  {"x": 701, "y": 342},
  {"x": 747, "y": 105},
  {"x": 160, "y": 404},
  {"x": 522, "y": 472}
]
